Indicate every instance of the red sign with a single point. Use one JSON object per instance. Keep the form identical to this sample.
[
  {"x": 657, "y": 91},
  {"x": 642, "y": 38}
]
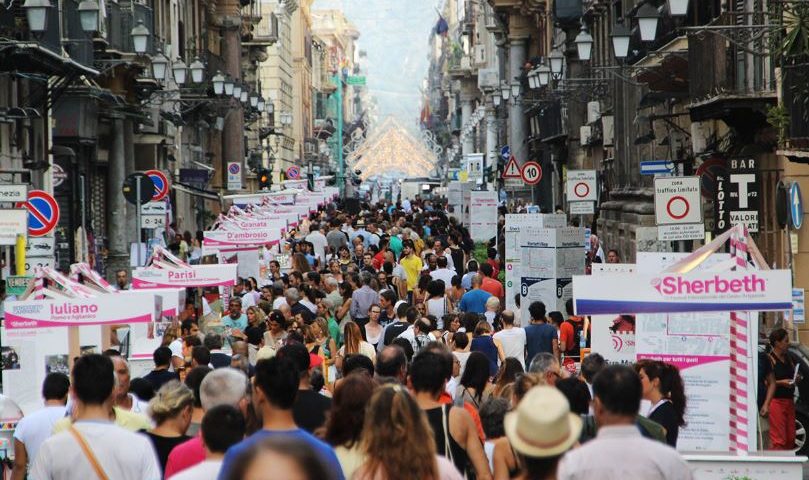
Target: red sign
[
  {"x": 43, "y": 212},
  {"x": 531, "y": 173}
]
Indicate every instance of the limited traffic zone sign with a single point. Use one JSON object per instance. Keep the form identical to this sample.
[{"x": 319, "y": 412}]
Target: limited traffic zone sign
[
  {"x": 531, "y": 173},
  {"x": 581, "y": 186},
  {"x": 161, "y": 184},
  {"x": 43, "y": 212},
  {"x": 678, "y": 208}
]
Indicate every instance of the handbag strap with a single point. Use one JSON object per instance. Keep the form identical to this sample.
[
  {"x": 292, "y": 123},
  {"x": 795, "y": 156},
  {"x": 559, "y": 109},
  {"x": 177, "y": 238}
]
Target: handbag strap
[
  {"x": 445, "y": 423},
  {"x": 88, "y": 453}
]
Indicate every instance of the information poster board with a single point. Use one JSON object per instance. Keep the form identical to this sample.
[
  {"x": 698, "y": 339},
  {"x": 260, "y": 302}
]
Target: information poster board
[
  {"x": 699, "y": 345},
  {"x": 515, "y": 222},
  {"x": 613, "y": 336},
  {"x": 483, "y": 215},
  {"x": 549, "y": 257}
]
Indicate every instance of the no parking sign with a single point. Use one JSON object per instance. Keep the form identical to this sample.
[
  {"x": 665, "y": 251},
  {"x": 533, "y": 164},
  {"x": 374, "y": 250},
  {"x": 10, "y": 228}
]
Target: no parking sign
[
  {"x": 161, "y": 184},
  {"x": 43, "y": 212}
]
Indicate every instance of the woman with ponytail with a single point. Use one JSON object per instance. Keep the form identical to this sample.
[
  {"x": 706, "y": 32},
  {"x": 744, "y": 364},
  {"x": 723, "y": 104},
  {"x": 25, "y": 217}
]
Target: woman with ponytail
[{"x": 663, "y": 386}]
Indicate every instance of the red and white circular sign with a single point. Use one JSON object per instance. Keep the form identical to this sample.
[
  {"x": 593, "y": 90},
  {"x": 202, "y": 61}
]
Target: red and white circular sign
[{"x": 531, "y": 173}]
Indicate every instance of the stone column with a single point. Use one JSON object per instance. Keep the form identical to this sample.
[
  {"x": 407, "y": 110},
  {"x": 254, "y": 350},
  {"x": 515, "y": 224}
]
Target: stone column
[
  {"x": 519, "y": 31},
  {"x": 468, "y": 95},
  {"x": 233, "y": 133},
  {"x": 118, "y": 257},
  {"x": 492, "y": 151},
  {"x": 130, "y": 167}
]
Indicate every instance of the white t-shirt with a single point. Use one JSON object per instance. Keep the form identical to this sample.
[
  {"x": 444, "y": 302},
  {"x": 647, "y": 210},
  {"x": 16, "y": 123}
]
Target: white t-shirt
[
  {"x": 462, "y": 358},
  {"x": 318, "y": 241},
  {"x": 438, "y": 307},
  {"x": 513, "y": 340},
  {"x": 207, "y": 470},
  {"x": 444, "y": 274},
  {"x": 248, "y": 300},
  {"x": 276, "y": 304},
  {"x": 123, "y": 455},
  {"x": 36, "y": 427}
]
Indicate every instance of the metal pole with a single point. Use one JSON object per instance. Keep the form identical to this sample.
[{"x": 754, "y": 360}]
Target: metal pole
[
  {"x": 83, "y": 211},
  {"x": 137, "y": 221}
]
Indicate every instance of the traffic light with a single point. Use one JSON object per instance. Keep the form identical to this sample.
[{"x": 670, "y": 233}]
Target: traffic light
[{"x": 264, "y": 179}]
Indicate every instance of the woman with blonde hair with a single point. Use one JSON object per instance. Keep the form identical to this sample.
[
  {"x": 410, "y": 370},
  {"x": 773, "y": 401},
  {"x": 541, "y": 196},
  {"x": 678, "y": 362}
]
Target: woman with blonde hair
[
  {"x": 398, "y": 441},
  {"x": 353, "y": 343},
  {"x": 171, "y": 410}
]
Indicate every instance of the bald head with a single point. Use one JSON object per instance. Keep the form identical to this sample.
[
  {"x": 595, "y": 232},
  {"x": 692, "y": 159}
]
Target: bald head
[{"x": 392, "y": 362}]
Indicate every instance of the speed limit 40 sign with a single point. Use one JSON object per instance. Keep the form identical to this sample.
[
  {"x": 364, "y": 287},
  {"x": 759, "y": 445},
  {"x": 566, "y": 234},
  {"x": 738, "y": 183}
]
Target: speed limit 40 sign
[{"x": 531, "y": 173}]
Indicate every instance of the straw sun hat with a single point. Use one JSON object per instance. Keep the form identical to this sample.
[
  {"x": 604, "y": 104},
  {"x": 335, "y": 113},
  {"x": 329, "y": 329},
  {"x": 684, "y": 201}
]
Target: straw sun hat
[{"x": 542, "y": 425}]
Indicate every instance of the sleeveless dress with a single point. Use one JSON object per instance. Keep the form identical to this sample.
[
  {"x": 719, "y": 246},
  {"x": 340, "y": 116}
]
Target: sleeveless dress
[
  {"x": 446, "y": 445},
  {"x": 485, "y": 345}
]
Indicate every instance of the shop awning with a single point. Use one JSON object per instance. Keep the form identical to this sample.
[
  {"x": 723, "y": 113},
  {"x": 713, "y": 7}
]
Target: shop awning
[{"x": 197, "y": 192}]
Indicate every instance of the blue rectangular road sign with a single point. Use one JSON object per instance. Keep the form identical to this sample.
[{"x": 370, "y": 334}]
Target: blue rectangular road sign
[{"x": 654, "y": 167}]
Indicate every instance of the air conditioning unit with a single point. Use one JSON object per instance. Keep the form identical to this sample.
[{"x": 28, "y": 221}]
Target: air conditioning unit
[
  {"x": 585, "y": 135},
  {"x": 480, "y": 54},
  {"x": 488, "y": 78},
  {"x": 593, "y": 111}
]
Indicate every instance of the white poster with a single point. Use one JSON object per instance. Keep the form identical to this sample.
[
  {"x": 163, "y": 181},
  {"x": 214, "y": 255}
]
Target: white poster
[
  {"x": 699, "y": 345},
  {"x": 29, "y": 354},
  {"x": 483, "y": 215},
  {"x": 549, "y": 258},
  {"x": 514, "y": 222},
  {"x": 613, "y": 336}
]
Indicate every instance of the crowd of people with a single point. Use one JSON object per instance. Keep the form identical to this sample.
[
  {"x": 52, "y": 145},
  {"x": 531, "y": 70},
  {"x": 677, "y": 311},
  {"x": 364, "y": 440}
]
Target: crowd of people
[{"x": 383, "y": 352}]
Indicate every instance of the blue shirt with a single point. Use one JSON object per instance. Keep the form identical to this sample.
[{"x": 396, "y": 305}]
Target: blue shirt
[
  {"x": 539, "y": 338},
  {"x": 474, "y": 301},
  {"x": 240, "y": 323},
  {"x": 324, "y": 450}
]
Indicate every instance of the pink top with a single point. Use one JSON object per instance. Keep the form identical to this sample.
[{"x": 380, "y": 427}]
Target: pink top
[{"x": 185, "y": 455}]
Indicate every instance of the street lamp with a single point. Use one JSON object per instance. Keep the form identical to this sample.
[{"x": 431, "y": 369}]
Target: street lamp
[
  {"x": 243, "y": 96},
  {"x": 160, "y": 65},
  {"x": 270, "y": 108},
  {"x": 229, "y": 87},
  {"x": 678, "y": 8},
  {"x": 88, "y": 15},
  {"x": 140, "y": 37},
  {"x": 533, "y": 80},
  {"x": 260, "y": 104},
  {"x": 237, "y": 90},
  {"x": 505, "y": 89},
  {"x": 647, "y": 21},
  {"x": 254, "y": 100},
  {"x": 179, "y": 71},
  {"x": 36, "y": 11},
  {"x": 218, "y": 81},
  {"x": 515, "y": 90},
  {"x": 584, "y": 44},
  {"x": 197, "y": 70},
  {"x": 620, "y": 40},
  {"x": 557, "y": 61},
  {"x": 544, "y": 75},
  {"x": 496, "y": 99}
]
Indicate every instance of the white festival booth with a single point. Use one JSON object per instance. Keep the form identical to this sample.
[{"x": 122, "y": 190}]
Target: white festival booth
[
  {"x": 59, "y": 318},
  {"x": 700, "y": 313}
]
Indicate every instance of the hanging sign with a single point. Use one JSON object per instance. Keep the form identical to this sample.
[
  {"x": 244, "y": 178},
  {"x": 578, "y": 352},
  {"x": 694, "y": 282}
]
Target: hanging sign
[{"x": 736, "y": 199}]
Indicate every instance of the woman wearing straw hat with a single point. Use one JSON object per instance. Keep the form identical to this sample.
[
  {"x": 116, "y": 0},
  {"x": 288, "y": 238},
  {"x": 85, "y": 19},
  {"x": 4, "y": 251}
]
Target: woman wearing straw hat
[{"x": 540, "y": 431}]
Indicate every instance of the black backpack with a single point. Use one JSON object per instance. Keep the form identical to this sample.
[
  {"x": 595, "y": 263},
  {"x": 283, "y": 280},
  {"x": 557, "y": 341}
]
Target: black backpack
[{"x": 575, "y": 349}]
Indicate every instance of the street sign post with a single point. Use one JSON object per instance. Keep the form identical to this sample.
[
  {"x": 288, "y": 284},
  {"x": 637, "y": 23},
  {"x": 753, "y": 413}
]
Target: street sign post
[
  {"x": 293, "y": 172},
  {"x": 13, "y": 193},
  {"x": 234, "y": 176},
  {"x": 161, "y": 184},
  {"x": 505, "y": 152},
  {"x": 678, "y": 208},
  {"x": 795, "y": 206},
  {"x": 43, "y": 212},
  {"x": 656, "y": 167},
  {"x": 581, "y": 186},
  {"x": 512, "y": 170},
  {"x": 531, "y": 173}
]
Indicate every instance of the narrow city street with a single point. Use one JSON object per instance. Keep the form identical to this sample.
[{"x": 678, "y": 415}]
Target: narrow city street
[{"x": 404, "y": 240}]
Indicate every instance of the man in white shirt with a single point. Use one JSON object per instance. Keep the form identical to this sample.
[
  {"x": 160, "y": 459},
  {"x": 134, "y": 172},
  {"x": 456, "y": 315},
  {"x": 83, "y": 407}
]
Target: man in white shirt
[
  {"x": 618, "y": 390},
  {"x": 318, "y": 241},
  {"x": 513, "y": 338},
  {"x": 222, "y": 427},
  {"x": 36, "y": 427},
  {"x": 443, "y": 272},
  {"x": 95, "y": 447}
]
